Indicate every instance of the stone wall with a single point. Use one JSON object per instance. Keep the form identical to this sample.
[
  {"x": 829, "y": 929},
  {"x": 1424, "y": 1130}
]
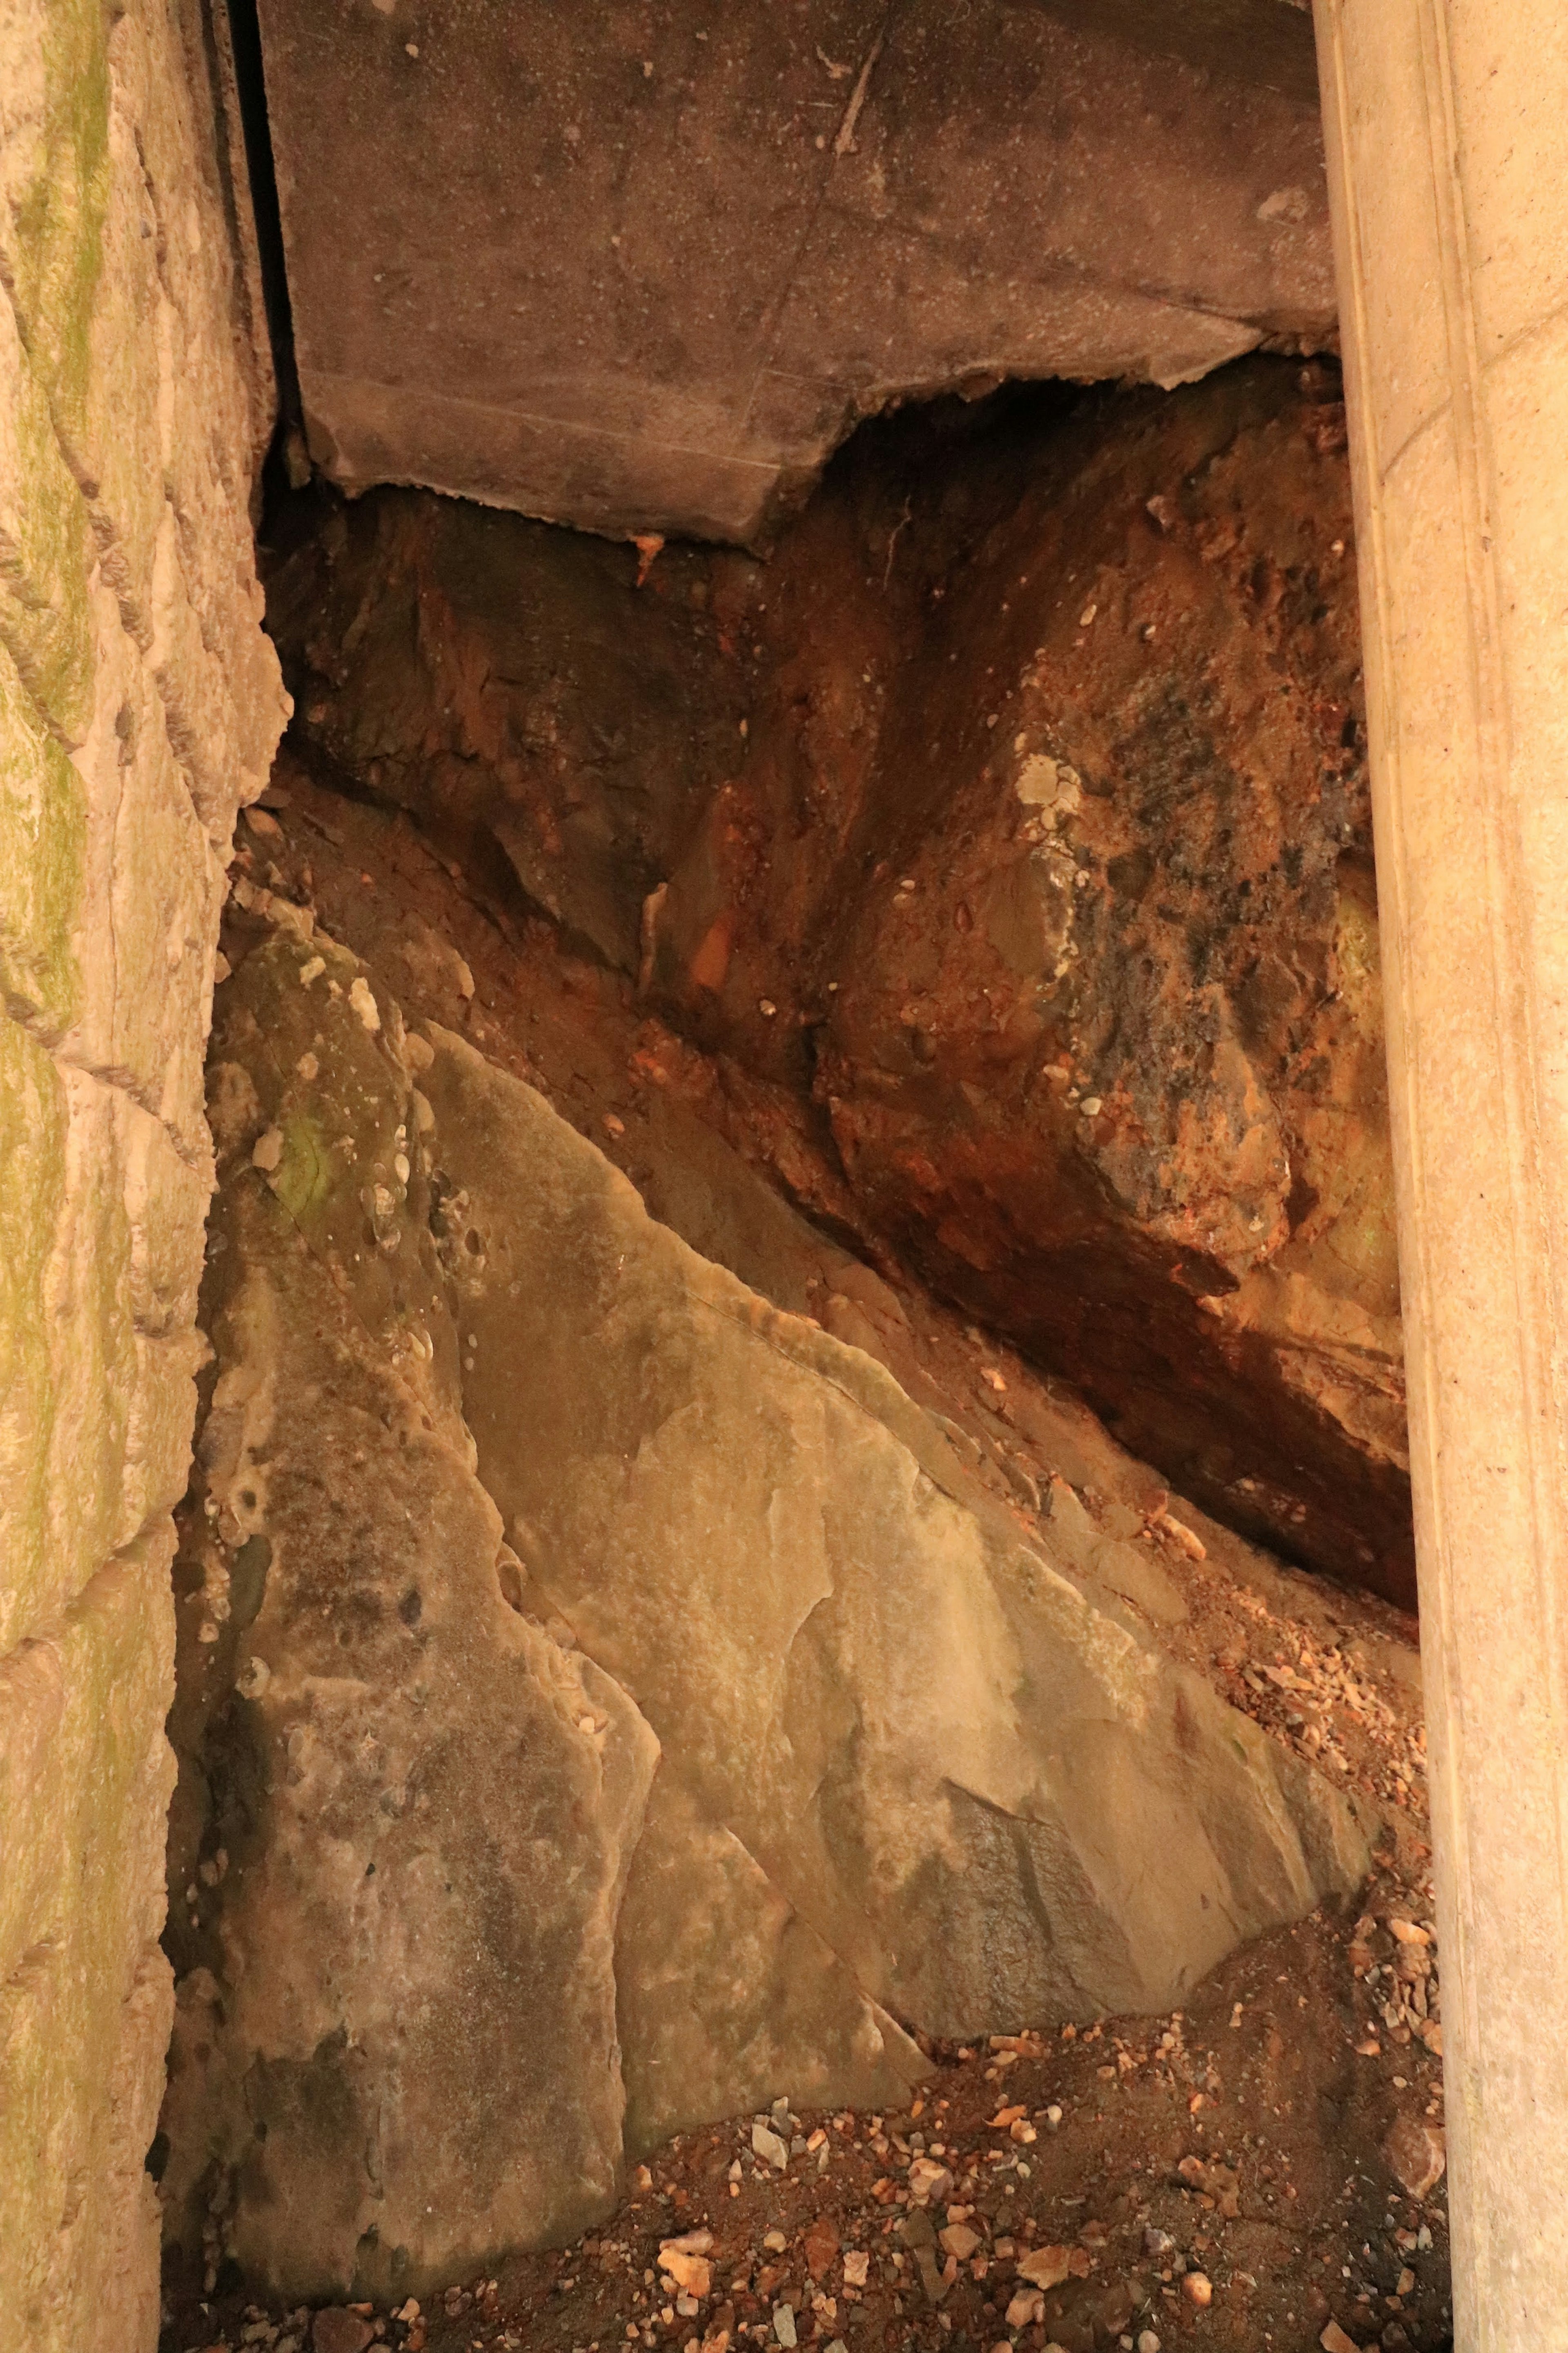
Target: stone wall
[{"x": 139, "y": 707}]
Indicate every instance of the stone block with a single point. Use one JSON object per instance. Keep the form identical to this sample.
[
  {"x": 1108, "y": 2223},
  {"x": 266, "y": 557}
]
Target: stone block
[
  {"x": 165, "y": 1198},
  {"x": 170, "y": 507},
  {"x": 85, "y": 1773},
  {"x": 447, "y": 1889},
  {"x": 97, "y": 1350},
  {"x": 155, "y": 883},
  {"x": 727, "y": 1995},
  {"x": 91, "y": 1358},
  {"x": 907, "y": 1767},
  {"x": 33, "y": 1122},
  {"x": 42, "y": 844},
  {"x": 128, "y": 367},
  {"x": 905, "y": 1713},
  {"x": 130, "y": 643},
  {"x": 677, "y": 322},
  {"x": 45, "y": 548},
  {"x": 54, "y": 126}
]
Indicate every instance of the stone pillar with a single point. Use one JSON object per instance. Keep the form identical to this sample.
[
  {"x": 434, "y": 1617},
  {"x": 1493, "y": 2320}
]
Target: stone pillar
[{"x": 1447, "y": 124}]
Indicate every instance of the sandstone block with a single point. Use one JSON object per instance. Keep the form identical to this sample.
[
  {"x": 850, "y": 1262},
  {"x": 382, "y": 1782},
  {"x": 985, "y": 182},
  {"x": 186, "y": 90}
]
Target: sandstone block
[
  {"x": 129, "y": 356},
  {"x": 170, "y": 506},
  {"x": 418, "y": 1803},
  {"x": 802, "y": 278},
  {"x": 97, "y": 1350},
  {"x": 45, "y": 548},
  {"x": 151, "y": 872},
  {"x": 34, "y": 1123},
  {"x": 603, "y": 1699},
  {"x": 888, "y": 1697},
  {"x": 107, "y": 888},
  {"x": 41, "y": 857},
  {"x": 727, "y": 1995},
  {"x": 55, "y": 121},
  {"x": 85, "y": 1774}
]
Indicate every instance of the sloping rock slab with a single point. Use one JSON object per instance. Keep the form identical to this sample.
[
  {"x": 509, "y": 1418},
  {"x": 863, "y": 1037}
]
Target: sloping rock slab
[
  {"x": 604, "y": 1700},
  {"x": 985, "y": 1789},
  {"x": 405, "y": 1813}
]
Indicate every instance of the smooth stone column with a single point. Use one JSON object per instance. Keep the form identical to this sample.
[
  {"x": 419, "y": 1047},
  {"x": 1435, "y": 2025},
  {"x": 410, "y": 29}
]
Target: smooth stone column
[{"x": 1447, "y": 125}]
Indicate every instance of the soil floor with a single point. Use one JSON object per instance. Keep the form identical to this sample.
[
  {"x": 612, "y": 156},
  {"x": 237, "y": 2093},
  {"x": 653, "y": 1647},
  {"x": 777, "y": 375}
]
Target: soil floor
[{"x": 1259, "y": 2169}]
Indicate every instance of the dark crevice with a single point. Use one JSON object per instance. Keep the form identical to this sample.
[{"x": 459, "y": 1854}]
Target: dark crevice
[{"x": 250, "y": 88}]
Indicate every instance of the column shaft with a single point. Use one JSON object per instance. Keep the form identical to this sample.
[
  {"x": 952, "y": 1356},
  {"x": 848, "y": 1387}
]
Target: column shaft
[{"x": 1447, "y": 126}]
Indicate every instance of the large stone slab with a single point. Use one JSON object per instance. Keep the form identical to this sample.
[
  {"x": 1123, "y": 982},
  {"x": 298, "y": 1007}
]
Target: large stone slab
[
  {"x": 606, "y": 1701},
  {"x": 405, "y": 1811},
  {"x": 84, "y": 1991},
  {"x": 645, "y": 279},
  {"x": 991, "y": 1793}
]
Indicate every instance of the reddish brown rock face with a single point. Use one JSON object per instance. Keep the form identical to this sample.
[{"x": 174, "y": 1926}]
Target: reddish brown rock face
[
  {"x": 1106, "y": 1049},
  {"x": 1056, "y": 844},
  {"x": 1041, "y": 866}
]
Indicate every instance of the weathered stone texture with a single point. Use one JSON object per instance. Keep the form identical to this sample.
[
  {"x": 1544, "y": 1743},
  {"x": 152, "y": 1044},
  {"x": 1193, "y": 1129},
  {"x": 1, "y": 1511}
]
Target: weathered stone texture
[
  {"x": 84, "y": 1992},
  {"x": 605, "y": 1698},
  {"x": 643, "y": 274},
  {"x": 420, "y": 1803},
  {"x": 139, "y": 705},
  {"x": 1026, "y": 776}
]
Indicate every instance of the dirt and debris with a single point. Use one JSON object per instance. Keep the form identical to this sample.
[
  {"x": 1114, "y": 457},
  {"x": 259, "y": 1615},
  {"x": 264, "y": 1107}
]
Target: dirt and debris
[
  {"x": 1236, "y": 2176},
  {"x": 1262, "y": 2167}
]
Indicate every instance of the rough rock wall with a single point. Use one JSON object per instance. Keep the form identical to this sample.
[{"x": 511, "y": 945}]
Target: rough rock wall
[
  {"x": 138, "y": 704},
  {"x": 604, "y": 1697},
  {"x": 1012, "y": 818}
]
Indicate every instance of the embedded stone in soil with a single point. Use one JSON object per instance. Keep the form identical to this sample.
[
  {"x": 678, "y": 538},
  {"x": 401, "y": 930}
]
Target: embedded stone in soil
[{"x": 1240, "y": 2139}]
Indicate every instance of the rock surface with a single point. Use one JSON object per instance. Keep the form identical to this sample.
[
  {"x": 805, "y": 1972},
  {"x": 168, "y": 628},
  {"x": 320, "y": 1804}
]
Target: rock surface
[
  {"x": 507, "y": 1499},
  {"x": 642, "y": 275},
  {"x": 1105, "y": 1051},
  {"x": 413, "y": 1807},
  {"x": 1028, "y": 777},
  {"x": 488, "y": 674},
  {"x": 906, "y": 1715},
  {"x": 139, "y": 703},
  {"x": 1265, "y": 41}
]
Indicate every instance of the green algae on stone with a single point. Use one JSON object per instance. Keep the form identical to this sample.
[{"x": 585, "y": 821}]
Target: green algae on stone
[
  {"x": 54, "y": 251},
  {"x": 304, "y": 1177},
  {"x": 32, "y": 1125},
  {"x": 43, "y": 841},
  {"x": 46, "y": 552}
]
